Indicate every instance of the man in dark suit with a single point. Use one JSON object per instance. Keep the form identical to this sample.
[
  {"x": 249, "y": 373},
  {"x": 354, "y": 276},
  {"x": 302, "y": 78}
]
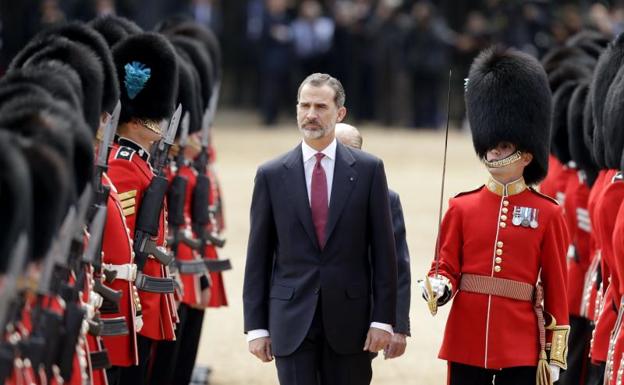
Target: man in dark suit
[
  {"x": 350, "y": 136},
  {"x": 320, "y": 278}
]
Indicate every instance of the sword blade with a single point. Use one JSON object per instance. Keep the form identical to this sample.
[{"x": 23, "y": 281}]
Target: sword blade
[
  {"x": 173, "y": 126},
  {"x": 446, "y": 133}
]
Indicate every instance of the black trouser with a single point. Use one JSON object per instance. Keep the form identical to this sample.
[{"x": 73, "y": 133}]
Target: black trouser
[
  {"x": 174, "y": 360},
  {"x": 316, "y": 363},
  {"x": 166, "y": 353},
  {"x": 578, "y": 352},
  {"x": 460, "y": 374},
  {"x": 135, "y": 375},
  {"x": 596, "y": 374},
  {"x": 189, "y": 343}
]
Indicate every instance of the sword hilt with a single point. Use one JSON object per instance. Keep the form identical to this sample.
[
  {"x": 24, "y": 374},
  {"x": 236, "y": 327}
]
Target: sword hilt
[{"x": 432, "y": 299}]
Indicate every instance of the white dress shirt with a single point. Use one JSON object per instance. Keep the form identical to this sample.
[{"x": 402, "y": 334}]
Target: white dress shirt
[{"x": 327, "y": 162}]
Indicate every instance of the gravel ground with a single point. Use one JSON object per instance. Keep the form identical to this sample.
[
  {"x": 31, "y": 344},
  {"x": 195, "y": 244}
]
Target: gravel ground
[{"x": 413, "y": 161}]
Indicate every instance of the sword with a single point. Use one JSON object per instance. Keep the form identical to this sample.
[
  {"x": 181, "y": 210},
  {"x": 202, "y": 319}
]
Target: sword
[{"x": 432, "y": 301}]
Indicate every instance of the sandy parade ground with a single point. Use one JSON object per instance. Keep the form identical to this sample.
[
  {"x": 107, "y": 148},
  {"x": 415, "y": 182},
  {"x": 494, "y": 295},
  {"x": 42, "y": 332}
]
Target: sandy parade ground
[{"x": 413, "y": 161}]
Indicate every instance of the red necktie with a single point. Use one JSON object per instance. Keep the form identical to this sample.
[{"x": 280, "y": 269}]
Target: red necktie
[{"x": 318, "y": 199}]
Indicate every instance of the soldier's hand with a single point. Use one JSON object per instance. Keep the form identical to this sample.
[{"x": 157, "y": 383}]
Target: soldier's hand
[
  {"x": 376, "y": 339},
  {"x": 554, "y": 372},
  {"x": 440, "y": 289},
  {"x": 261, "y": 348},
  {"x": 396, "y": 347}
]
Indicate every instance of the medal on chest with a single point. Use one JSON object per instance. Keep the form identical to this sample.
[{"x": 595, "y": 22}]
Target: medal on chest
[{"x": 525, "y": 217}]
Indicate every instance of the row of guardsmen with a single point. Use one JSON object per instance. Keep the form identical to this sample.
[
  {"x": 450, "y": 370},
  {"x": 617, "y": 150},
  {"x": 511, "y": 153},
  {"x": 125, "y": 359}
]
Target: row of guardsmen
[
  {"x": 110, "y": 205},
  {"x": 586, "y": 164}
]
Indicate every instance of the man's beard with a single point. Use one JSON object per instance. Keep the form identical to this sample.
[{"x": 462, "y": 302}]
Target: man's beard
[{"x": 313, "y": 134}]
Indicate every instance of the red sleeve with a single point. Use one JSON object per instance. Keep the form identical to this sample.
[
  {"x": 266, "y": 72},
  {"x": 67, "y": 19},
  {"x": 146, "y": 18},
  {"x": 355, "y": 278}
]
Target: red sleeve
[
  {"x": 554, "y": 272},
  {"x": 450, "y": 244}
]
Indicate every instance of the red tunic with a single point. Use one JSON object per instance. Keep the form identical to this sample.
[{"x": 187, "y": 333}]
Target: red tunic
[
  {"x": 607, "y": 208},
  {"x": 577, "y": 216},
  {"x": 503, "y": 332},
  {"x": 131, "y": 174},
  {"x": 603, "y": 221},
  {"x": 592, "y": 286},
  {"x": 218, "y": 297},
  {"x": 192, "y": 290},
  {"x": 549, "y": 185},
  {"x": 615, "y": 376},
  {"x": 117, "y": 250}
]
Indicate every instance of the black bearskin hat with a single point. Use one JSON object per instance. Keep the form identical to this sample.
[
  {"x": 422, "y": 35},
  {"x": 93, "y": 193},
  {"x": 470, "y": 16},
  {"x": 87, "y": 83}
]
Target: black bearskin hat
[
  {"x": 508, "y": 100},
  {"x": 592, "y": 42},
  {"x": 613, "y": 120},
  {"x": 114, "y": 28},
  {"x": 569, "y": 70},
  {"x": 608, "y": 65},
  {"x": 82, "y": 33},
  {"x": 54, "y": 123},
  {"x": 188, "y": 94},
  {"x": 559, "y": 140},
  {"x": 148, "y": 76},
  {"x": 579, "y": 151},
  {"x": 15, "y": 197},
  {"x": 49, "y": 178},
  {"x": 58, "y": 79},
  {"x": 202, "y": 34},
  {"x": 201, "y": 61},
  {"x": 556, "y": 56},
  {"x": 80, "y": 58}
]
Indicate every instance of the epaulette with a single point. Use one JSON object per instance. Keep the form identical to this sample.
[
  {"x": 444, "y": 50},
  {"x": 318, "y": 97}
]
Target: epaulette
[
  {"x": 124, "y": 153},
  {"x": 553, "y": 200},
  {"x": 469, "y": 192},
  {"x": 619, "y": 177}
]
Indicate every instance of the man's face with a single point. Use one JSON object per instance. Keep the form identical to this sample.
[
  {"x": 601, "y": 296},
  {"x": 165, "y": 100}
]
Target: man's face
[
  {"x": 317, "y": 113},
  {"x": 503, "y": 150}
]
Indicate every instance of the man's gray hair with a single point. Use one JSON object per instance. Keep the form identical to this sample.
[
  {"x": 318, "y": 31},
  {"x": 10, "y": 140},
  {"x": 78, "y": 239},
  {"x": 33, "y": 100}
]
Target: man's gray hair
[
  {"x": 319, "y": 80},
  {"x": 349, "y": 135}
]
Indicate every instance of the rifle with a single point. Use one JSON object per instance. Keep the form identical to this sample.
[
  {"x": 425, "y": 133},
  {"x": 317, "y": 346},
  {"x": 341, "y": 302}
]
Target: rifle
[
  {"x": 176, "y": 196},
  {"x": 148, "y": 217},
  {"x": 202, "y": 212},
  {"x": 110, "y": 297}
]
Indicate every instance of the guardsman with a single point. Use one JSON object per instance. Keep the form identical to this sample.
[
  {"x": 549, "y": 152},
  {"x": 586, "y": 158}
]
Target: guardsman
[
  {"x": 502, "y": 247},
  {"x": 579, "y": 256},
  {"x": 605, "y": 308},
  {"x": 148, "y": 76},
  {"x": 171, "y": 356},
  {"x": 607, "y": 207}
]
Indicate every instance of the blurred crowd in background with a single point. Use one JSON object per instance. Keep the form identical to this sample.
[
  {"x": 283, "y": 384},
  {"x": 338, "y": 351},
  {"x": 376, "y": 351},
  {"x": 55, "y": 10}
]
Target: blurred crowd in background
[{"x": 393, "y": 56}]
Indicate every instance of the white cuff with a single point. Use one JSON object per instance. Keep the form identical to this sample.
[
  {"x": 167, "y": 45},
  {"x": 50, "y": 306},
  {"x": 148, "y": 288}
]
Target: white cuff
[
  {"x": 382, "y": 326},
  {"x": 256, "y": 333}
]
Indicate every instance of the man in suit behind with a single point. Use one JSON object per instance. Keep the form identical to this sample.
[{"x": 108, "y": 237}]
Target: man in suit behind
[
  {"x": 350, "y": 136},
  {"x": 320, "y": 279}
]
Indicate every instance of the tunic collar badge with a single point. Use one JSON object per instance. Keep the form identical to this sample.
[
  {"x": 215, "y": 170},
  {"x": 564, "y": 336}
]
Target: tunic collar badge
[{"x": 511, "y": 188}]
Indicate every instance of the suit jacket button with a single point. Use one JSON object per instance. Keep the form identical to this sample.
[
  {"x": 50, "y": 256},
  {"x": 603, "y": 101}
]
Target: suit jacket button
[{"x": 317, "y": 290}]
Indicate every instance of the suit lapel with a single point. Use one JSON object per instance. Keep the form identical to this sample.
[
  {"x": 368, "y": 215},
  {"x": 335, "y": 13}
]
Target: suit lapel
[
  {"x": 344, "y": 181},
  {"x": 294, "y": 179}
]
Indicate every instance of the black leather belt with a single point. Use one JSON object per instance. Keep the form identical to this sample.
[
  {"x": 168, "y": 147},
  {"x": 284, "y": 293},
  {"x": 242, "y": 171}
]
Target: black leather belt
[
  {"x": 154, "y": 285},
  {"x": 114, "y": 327}
]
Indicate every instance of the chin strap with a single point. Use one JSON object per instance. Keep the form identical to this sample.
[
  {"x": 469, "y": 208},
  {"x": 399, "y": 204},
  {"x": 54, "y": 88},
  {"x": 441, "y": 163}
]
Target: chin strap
[{"x": 513, "y": 158}]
